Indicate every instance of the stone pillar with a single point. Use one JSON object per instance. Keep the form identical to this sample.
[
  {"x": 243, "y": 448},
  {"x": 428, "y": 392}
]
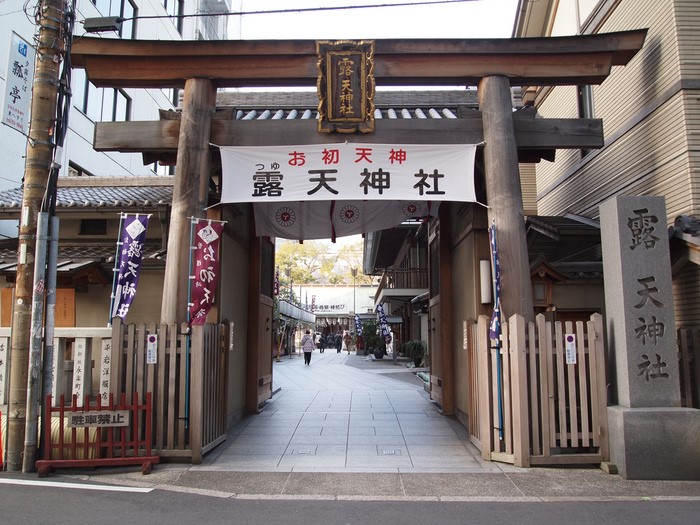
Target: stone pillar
[{"x": 651, "y": 437}]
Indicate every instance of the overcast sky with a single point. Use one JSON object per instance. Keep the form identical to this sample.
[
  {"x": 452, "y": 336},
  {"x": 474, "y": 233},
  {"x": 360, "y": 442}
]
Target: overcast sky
[{"x": 470, "y": 19}]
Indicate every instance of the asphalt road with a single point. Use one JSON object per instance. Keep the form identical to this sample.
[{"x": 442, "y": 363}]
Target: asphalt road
[{"x": 40, "y": 503}]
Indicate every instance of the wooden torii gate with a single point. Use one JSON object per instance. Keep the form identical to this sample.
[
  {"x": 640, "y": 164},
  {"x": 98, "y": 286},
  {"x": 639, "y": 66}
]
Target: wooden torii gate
[{"x": 494, "y": 65}]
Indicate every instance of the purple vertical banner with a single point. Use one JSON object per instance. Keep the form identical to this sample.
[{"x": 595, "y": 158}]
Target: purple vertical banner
[
  {"x": 204, "y": 280},
  {"x": 358, "y": 325},
  {"x": 383, "y": 325},
  {"x": 128, "y": 262},
  {"x": 495, "y": 325}
]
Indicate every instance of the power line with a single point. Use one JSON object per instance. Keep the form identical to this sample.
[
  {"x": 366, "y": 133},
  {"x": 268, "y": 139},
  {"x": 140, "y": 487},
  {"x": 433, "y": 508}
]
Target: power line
[{"x": 298, "y": 10}]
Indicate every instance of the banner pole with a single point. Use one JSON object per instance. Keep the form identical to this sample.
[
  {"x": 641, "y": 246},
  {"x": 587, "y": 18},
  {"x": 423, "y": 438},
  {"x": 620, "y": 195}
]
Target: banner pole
[{"x": 193, "y": 222}]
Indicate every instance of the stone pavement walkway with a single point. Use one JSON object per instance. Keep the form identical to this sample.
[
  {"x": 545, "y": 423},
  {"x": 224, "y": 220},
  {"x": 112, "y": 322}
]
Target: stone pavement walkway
[{"x": 344, "y": 414}]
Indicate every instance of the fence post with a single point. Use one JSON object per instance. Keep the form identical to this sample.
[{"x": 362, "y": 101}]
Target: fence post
[
  {"x": 521, "y": 427},
  {"x": 602, "y": 385},
  {"x": 484, "y": 388},
  {"x": 196, "y": 393}
]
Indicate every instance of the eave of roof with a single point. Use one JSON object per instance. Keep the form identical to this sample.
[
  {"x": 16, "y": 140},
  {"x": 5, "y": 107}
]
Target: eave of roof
[{"x": 130, "y": 194}]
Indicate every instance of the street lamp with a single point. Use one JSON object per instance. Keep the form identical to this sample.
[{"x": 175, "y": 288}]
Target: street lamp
[{"x": 353, "y": 271}]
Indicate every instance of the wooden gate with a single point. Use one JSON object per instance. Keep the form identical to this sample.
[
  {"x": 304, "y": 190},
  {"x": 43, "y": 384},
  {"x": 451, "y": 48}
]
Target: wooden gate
[
  {"x": 549, "y": 403},
  {"x": 181, "y": 430}
]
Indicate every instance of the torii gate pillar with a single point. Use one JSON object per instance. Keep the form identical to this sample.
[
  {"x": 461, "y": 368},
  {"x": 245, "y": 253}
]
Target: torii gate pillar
[
  {"x": 504, "y": 195},
  {"x": 190, "y": 192}
]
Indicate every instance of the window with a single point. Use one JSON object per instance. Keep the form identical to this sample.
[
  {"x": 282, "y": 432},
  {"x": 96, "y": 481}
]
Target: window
[
  {"x": 105, "y": 104},
  {"x": 128, "y": 12},
  {"x": 92, "y": 102},
  {"x": 122, "y": 106}
]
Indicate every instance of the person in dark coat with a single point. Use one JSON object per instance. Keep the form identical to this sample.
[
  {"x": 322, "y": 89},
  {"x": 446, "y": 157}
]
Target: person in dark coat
[
  {"x": 322, "y": 343},
  {"x": 338, "y": 342}
]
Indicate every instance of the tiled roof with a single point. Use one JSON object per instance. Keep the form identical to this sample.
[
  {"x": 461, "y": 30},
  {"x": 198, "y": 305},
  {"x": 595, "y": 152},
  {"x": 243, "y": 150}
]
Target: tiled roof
[
  {"x": 266, "y": 105},
  {"x": 100, "y": 196}
]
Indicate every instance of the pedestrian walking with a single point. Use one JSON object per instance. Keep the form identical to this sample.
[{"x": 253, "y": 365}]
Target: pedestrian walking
[
  {"x": 307, "y": 345},
  {"x": 347, "y": 341},
  {"x": 322, "y": 343},
  {"x": 338, "y": 342}
]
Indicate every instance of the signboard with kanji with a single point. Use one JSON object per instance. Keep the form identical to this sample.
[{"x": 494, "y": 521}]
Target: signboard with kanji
[
  {"x": 101, "y": 418},
  {"x": 318, "y": 172},
  {"x": 345, "y": 86},
  {"x": 18, "y": 84}
]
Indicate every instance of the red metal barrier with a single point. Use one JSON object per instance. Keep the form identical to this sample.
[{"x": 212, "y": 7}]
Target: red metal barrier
[{"x": 98, "y": 435}]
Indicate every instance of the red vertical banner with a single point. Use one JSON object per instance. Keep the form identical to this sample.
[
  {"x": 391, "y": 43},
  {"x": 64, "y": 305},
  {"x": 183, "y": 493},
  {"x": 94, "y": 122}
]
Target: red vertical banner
[{"x": 204, "y": 278}]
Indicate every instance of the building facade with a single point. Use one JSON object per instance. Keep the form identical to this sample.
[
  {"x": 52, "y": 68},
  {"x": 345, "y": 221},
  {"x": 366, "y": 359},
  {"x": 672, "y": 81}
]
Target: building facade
[
  {"x": 144, "y": 20},
  {"x": 650, "y": 110}
]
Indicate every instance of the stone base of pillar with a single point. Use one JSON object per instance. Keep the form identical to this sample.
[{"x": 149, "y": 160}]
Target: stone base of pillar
[{"x": 655, "y": 443}]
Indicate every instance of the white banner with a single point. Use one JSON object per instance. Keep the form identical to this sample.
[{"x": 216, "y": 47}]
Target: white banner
[
  {"x": 350, "y": 172},
  {"x": 18, "y": 85},
  {"x": 331, "y": 219}
]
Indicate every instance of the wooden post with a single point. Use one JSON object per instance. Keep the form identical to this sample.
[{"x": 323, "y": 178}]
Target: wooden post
[
  {"x": 446, "y": 290},
  {"x": 504, "y": 195},
  {"x": 521, "y": 419},
  {"x": 483, "y": 374},
  {"x": 189, "y": 193},
  {"x": 196, "y": 393}
]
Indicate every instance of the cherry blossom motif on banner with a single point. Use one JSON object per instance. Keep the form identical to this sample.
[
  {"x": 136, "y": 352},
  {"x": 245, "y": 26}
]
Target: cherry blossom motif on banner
[
  {"x": 204, "y": 274},
  {"x": 332, "y": 219},
  {"x": 128, "y": 262}
]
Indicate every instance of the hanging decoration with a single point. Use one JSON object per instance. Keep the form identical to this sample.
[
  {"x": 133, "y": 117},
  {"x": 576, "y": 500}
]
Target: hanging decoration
[
  {"x": 204, "y": 268},
  {"x": 130, "y": 247}
]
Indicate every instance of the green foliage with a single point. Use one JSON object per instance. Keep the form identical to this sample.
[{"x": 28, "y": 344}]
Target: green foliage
[
  {"x": 414, "y": 348},
  {"x": 371, "y": 336}
]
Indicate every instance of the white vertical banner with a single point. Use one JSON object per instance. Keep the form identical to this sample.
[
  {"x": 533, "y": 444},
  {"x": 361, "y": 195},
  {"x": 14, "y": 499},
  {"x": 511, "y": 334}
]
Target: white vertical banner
[
  {"x": 105, "y": 370},
  {"x": 570, "y": 340},
  {"x": 18, "y": 84},
  {"x": 80, "y": 361},
  {"x": 152, "y": 349}
]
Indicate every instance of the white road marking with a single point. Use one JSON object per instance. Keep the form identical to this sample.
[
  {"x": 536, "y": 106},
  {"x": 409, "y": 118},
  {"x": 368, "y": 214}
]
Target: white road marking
[{"x": 81, "y": 486}]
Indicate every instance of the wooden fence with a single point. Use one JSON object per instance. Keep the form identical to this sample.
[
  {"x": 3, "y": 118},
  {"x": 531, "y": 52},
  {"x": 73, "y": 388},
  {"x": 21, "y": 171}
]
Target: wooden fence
[
  {"x": 154, "y": 358},
  {"x": 541, "y": 399}
]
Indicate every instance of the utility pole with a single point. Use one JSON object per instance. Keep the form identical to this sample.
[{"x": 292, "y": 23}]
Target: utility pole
[{"x": 38, "y": 163}]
